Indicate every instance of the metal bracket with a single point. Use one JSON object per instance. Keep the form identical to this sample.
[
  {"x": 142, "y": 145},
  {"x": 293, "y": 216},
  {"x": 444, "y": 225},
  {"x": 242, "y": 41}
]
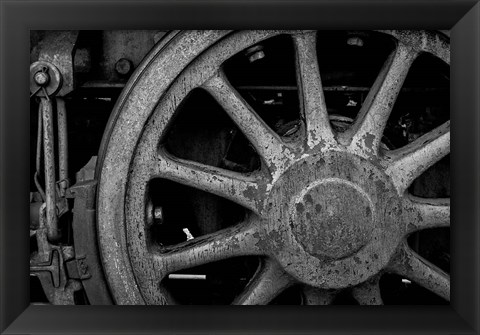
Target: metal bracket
[
  {"x": 88, "y": 266},
  {"x": 58, "y": 48},
  {"x": 78, "y": 268},
  {"x": 58, "y": 288}
]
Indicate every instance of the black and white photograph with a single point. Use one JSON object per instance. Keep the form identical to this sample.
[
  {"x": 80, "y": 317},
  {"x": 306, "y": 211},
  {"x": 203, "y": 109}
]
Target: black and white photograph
[
  {"x": 243, "y": 167},
  {"x": 239, "y": 167}
]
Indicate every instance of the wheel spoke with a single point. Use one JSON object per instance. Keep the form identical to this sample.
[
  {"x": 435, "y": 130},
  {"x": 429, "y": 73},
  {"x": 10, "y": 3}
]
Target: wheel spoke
[
  {"x": 411, "y": 161},
  {"x": 312, "y": 100},
  {"x": 428, "y": 213},
  {"x": 368, "y": 293},
  {"x": 317, "y": 296},
  {"x": 267, "y": 143},
  {"x": 269, "y": 281},
  {"x": 240, "y": 240},
  {"x": 242, "y": 189},
  {"x": 411, "y": 265},
  {"x": 366, "y": 132}
]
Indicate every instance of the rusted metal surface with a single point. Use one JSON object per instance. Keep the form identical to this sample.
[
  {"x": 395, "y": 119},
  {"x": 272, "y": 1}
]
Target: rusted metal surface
[
  {"x": 52, "y": 79},
  {"x": 267, "y": 283},
  {"x": 118, "y": 269},
  {"x": 368, "y": 293},
  {"x": 58, "y": 47},
  {"x": 312, "y": 100},
  {"x": 255, "y": 53},
  {"x": 428, "y": 213},
  {"x": 123, "y": 67},
  {"x": 62, "y": 146},
  {"x": 328, "y": 211},
  {"x": 129, "y": 45},
  {"x": 50, "y": 180},
  {"x": 409, "y": 162},
  {"x": 366, "y": 132},
  {"x": 87, "y": 258},
  {"x": 48, "y": 264},
  {"x": 228, "y": 184},
  {"x": 409, "y": 264},
  {"x": 268, "y": 144},
  {"x": 82, "y": 60},
  {"x": 41, "y": 78}
]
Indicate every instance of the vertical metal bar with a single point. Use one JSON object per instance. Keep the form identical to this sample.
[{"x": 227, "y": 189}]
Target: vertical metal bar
[
  {"x": 53, "y": 233},
  {"x": 62, "y": 145},
  {"x": 38, "y": 158}
]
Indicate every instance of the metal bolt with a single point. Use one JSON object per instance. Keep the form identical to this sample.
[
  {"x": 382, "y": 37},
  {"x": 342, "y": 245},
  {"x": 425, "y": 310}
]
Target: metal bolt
[
  {"x": 41, "y": 78},
  {"x": 123, "y": 66},
  {"x": 187, "y": 276},
  {"x": 255, "y": 53},
  {"x": 292, "y": 130},
  {"x": 355, "y": 41},
  {"x": 158, "y": 214}
]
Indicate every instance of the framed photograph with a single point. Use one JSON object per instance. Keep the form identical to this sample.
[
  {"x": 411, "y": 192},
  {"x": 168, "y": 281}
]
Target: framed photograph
[{"x": 240, "y": 153}]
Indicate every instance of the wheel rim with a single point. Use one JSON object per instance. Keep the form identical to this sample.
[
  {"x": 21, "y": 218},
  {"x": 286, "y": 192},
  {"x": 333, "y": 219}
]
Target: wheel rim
[{"x": 297, "y": 219}]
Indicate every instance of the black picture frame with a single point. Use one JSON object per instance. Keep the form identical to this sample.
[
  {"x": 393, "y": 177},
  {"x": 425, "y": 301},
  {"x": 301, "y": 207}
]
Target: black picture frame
[{"x": 18, "y": 17}]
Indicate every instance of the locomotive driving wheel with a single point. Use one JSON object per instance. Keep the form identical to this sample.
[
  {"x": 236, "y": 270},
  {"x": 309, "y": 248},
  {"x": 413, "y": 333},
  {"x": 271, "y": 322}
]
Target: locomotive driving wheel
[{"x": 325, "y": 210}]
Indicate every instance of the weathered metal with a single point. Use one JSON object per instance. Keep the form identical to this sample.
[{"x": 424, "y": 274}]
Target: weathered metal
[
  {"x": 44, "y": 77},
  {"x": 82, "y": 60},
  {"x": 123, "y": 67},
  {"x": 52, "y": 75},
  {"x": 365, "y": 134},
  {"x": 411, "y": 265},
  {"x": 312, "y": 100},
  {"x": 255, "y": 53},
  {"x": 123, "y": 44},
  {"x": 62, "y": 146},
  {"x": 87, "y": 262},
  {"x": 50, "y": 180},
  {"x": 269, "y": 281},
  {"x": 409, "y": 162},
  {"x": 48, "y": 264},
  {"x": 158, "y": 214},
  {"x": 58, "y": 48},
  {"x": 299, "y": 219},
  {"x": 355, "y": 41},
  {"x": 368, "y": 293},
  {"x": 41, "y": 78}
]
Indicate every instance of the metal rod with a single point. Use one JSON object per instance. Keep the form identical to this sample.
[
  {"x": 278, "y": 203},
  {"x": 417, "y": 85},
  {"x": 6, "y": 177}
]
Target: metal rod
[
  {"x": 53, "y": 233},
  {"x": 186, "y": 276},
  {"x": 62, "y": 145},
  {"x": 38, "y": 159}
]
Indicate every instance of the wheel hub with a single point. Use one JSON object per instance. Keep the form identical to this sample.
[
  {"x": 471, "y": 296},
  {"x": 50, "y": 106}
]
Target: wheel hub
[
  {"x": 325, "y": 226},
  {"x": 343, "y": 219}
]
